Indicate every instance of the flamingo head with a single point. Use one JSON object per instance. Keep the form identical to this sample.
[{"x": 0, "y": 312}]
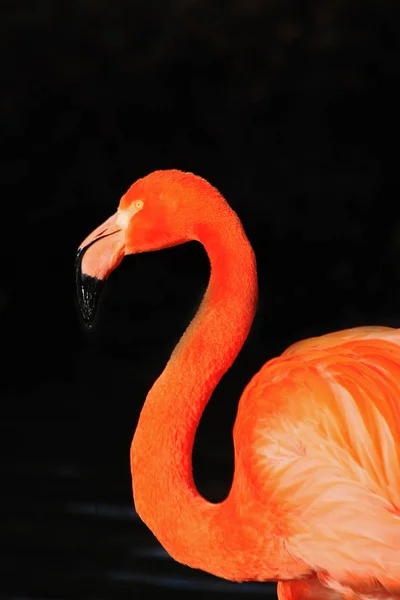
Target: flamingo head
[{"x": 164, "y": 209}]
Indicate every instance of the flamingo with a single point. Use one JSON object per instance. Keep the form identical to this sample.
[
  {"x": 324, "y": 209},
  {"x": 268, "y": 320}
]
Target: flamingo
[{"x": 315, "y": 499}]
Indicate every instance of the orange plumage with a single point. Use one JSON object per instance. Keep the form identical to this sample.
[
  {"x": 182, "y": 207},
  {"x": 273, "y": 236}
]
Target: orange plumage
[{"x": 315, "y": 498}]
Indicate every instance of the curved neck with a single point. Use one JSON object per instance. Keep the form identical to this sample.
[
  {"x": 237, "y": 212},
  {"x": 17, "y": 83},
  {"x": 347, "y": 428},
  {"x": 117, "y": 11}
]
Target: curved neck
[{"x": 191, "y": 529}]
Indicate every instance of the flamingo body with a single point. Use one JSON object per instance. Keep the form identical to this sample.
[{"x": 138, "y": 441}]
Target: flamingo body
[
  {"x": 321, "y": 425},
  {"x": 315, "y": 498}
]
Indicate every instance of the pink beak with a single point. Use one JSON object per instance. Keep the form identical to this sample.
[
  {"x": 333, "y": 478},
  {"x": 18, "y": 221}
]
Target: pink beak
[{"x": 100, "y": 253}]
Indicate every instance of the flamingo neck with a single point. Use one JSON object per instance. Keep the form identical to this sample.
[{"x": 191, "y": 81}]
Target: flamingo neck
[{"x": 194, "y": 531}]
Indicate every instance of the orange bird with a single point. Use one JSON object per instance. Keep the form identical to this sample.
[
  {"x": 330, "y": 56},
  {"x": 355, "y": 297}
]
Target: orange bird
[{"x": 315, "y": 497}]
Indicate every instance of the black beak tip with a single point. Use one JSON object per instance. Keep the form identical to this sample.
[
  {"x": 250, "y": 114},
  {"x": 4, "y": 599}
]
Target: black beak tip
[{"x": 88, "y": 290}]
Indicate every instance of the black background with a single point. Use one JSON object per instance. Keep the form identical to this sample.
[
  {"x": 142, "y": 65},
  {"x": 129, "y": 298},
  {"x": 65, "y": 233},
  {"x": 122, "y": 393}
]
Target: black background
[{"x": 290, "y": 109}]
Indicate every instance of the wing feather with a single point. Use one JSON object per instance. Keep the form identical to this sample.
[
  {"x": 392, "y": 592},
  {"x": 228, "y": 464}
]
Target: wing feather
[{"x": 330, "y": 448}]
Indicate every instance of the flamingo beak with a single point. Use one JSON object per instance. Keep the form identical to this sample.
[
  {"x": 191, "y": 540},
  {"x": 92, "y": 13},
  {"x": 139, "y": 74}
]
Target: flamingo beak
[{"x": 100, "y": 253}]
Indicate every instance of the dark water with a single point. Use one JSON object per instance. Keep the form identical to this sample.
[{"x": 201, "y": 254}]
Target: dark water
[{"x": 69, "y": 530}]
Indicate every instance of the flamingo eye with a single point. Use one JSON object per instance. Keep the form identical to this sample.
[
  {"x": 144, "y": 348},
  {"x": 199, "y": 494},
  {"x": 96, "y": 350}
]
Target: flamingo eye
[{"x": 139, "y": 204}]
